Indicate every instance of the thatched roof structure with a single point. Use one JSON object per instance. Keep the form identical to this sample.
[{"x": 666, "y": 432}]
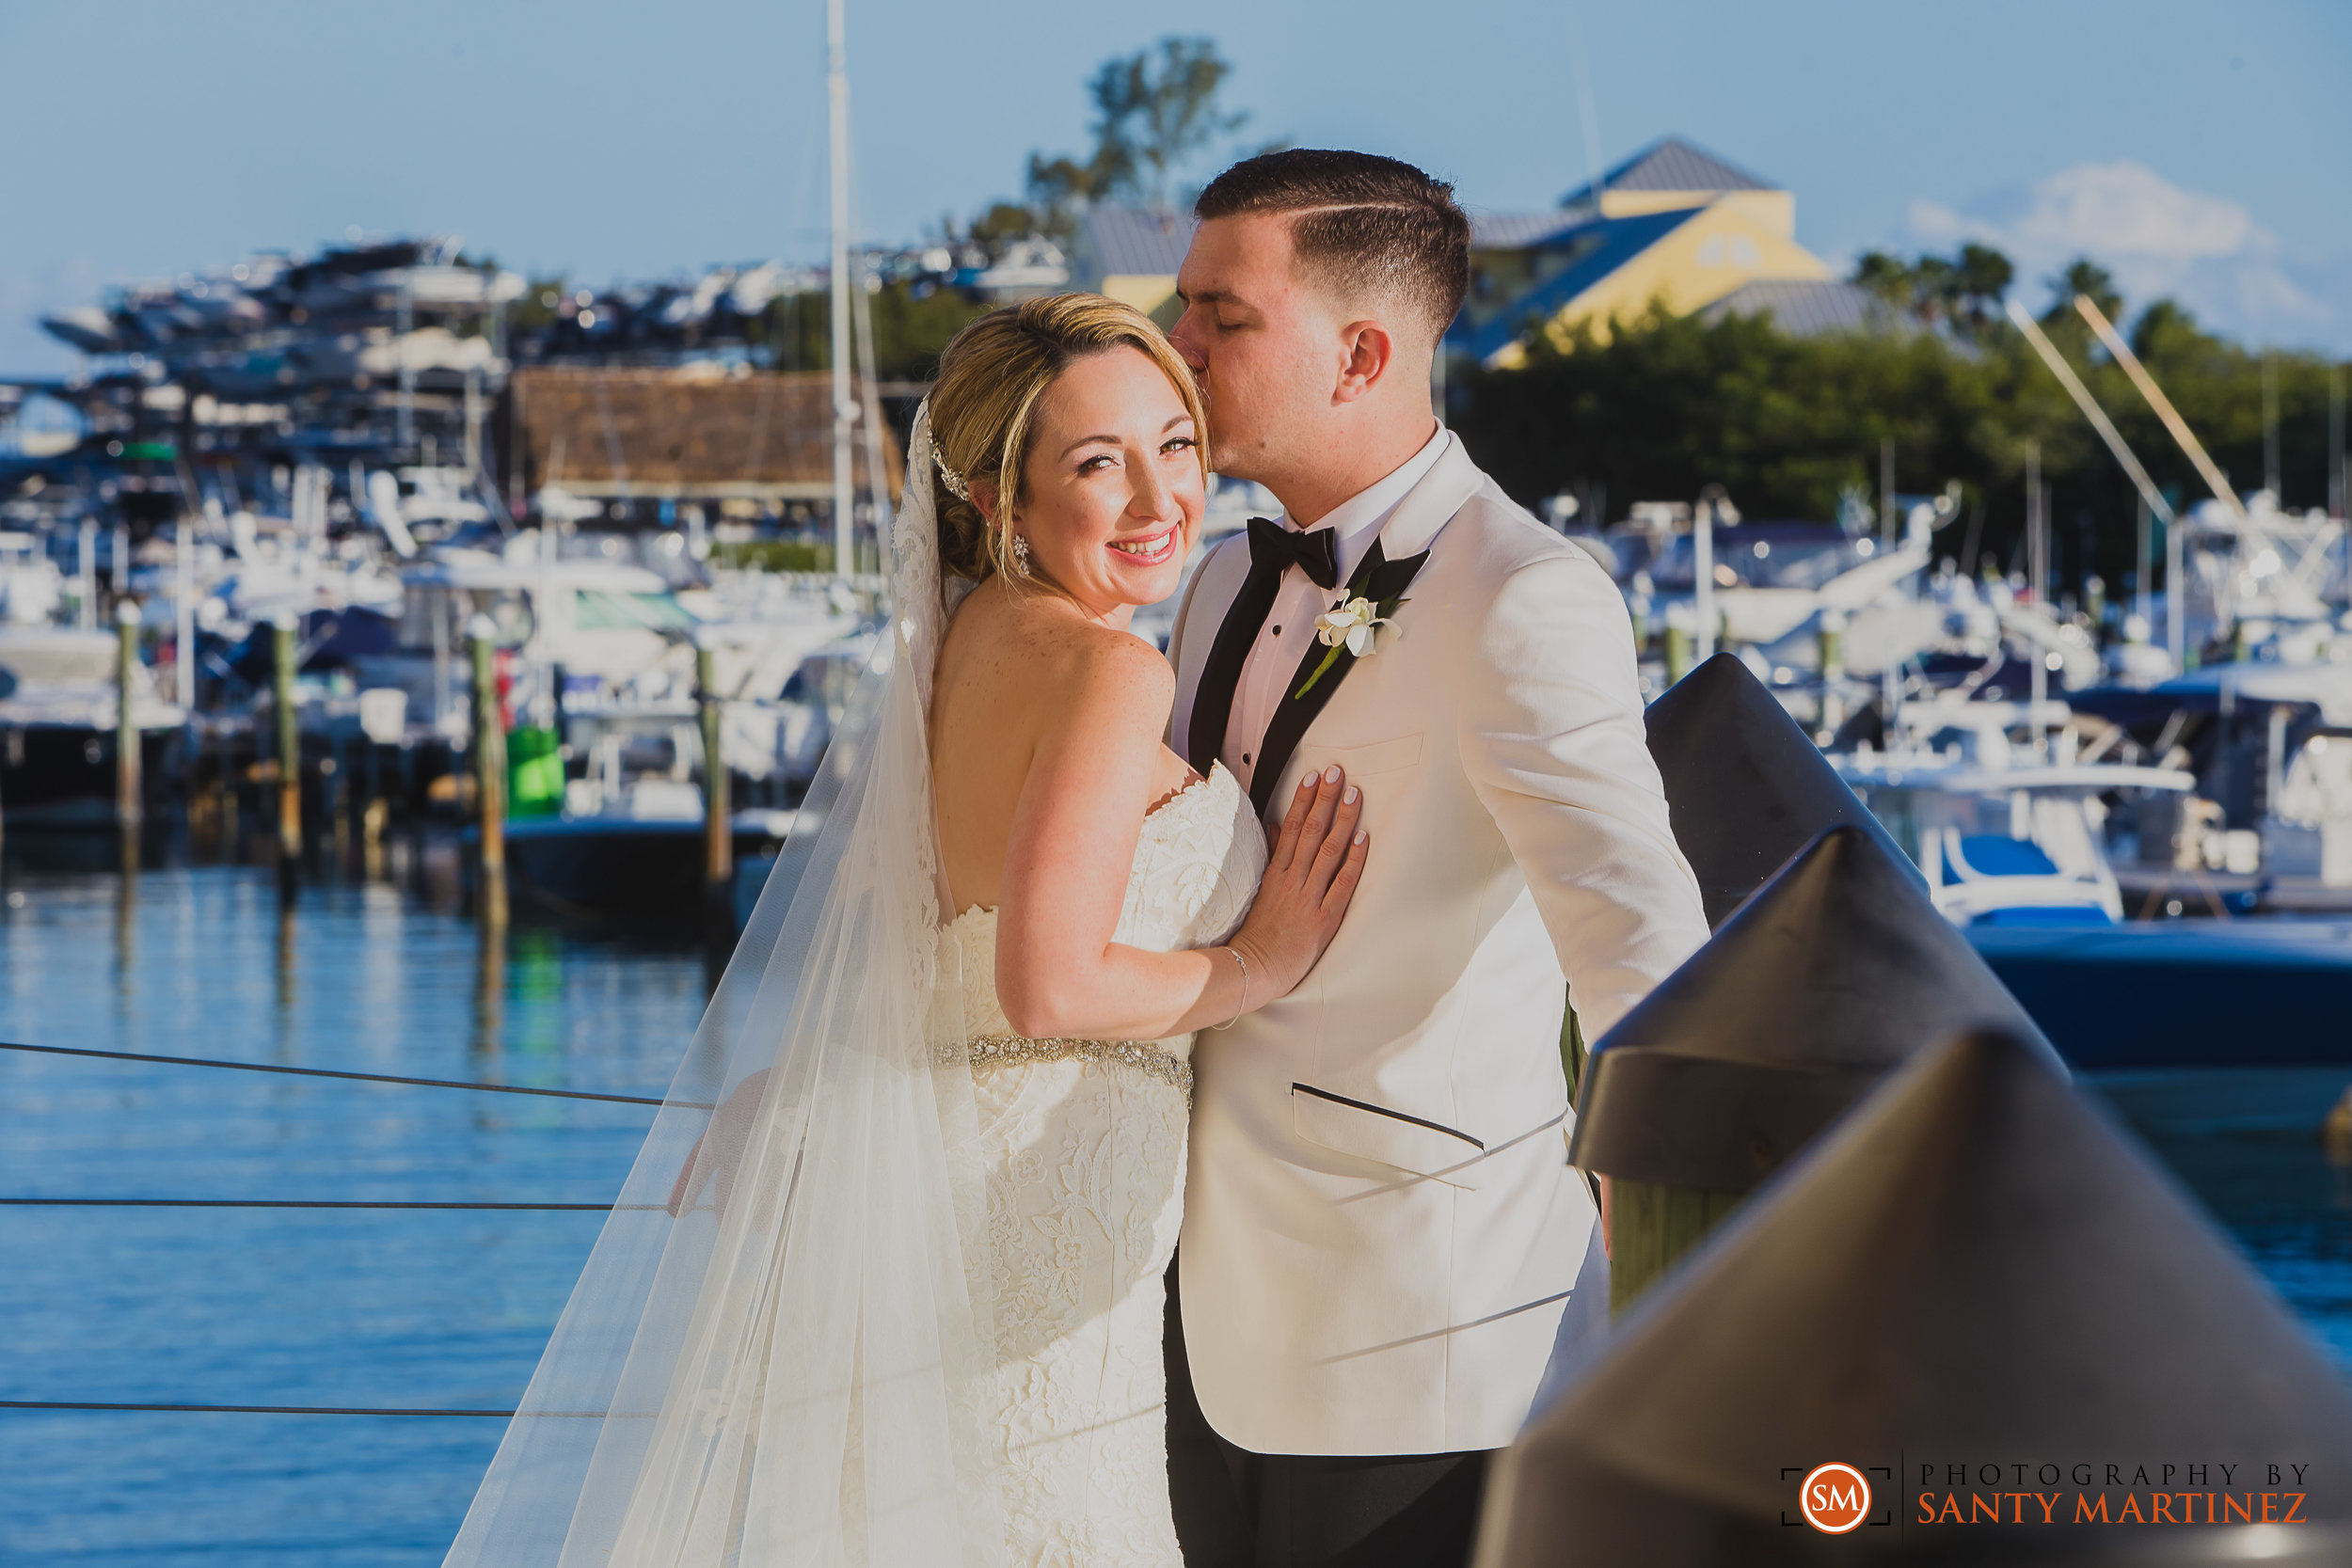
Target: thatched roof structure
[{"x": 690, "y": 434}]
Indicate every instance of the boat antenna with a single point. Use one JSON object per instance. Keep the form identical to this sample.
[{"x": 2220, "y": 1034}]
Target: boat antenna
[
  {"x": 844, "y": 405},
  {"x": 2122, "y": 351},
  {"x": 1598, "y": 181}
]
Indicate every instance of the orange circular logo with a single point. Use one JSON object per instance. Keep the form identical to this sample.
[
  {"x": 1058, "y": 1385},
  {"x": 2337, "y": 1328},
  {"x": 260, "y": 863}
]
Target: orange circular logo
[{"x": 1835, "y": 1497}]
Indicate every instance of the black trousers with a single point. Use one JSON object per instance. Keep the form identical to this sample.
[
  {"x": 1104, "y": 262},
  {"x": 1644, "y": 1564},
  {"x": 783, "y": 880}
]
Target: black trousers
[{"x": 1235, "y": 1508}]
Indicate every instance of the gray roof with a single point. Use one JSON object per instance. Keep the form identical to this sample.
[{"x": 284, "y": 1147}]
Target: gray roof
[
  {"x": 1803, "y": 309},
  {"x": 1673, "y": 165},
  {"x": 1120, "y": 240},
  {"x": 1518, "y": 231}
]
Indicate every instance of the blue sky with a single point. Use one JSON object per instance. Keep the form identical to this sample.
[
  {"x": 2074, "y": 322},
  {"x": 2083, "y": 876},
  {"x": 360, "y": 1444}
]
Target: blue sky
[{"x": 2199, "y": 149}]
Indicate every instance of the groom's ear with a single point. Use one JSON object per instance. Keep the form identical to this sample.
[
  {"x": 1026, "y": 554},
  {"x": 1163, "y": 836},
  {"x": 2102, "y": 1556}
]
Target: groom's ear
[{"x": 1369, "y": 349}]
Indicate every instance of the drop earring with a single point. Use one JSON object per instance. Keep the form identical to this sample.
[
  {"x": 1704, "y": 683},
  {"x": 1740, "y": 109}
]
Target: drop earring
[{"x": 1021, "y": 555}]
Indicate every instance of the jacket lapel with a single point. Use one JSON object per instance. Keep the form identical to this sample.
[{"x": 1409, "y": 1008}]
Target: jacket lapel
[
  {"x": 1220, "y": 673},
  {"x": 1407, "y": 534},
  {"x": 1379, "y": 580}
]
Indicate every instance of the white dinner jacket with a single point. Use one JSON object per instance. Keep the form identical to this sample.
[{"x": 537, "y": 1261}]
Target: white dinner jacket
[{"x": 1381, "y": 1231}]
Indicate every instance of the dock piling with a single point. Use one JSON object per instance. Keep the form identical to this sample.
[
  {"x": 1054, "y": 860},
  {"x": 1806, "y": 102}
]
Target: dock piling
[
  {"x": 126, "y": 721},
  {"x": 1827, "y": 980},
  {"x": 489, "y": 761},
  {"x": 289, "y": 753},
  {"x": 1977, "y": 1263},
  {"x": 718, "y": 833}
]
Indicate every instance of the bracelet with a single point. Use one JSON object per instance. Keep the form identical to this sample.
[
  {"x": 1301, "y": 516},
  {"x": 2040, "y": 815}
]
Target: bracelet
[{"x": 1245, "y": 992}]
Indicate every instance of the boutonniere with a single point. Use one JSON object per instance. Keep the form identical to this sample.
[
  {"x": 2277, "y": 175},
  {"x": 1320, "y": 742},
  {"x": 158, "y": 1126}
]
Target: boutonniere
[{"x": 1356, "y": 624}]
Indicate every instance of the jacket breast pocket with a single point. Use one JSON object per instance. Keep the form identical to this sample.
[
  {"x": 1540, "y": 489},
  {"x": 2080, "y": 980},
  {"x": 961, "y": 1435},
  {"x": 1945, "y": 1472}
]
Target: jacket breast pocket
[
  {"x": 1362, "y": 762},
  {"x": 1386, "y": 1136}
]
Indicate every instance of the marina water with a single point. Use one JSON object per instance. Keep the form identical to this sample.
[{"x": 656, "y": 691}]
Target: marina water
[{"x": 449, "y": 1309}]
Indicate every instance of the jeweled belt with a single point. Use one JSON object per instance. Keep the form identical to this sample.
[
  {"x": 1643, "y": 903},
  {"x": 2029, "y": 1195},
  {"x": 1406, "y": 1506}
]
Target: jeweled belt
[{"x": 1155, "y": 1061}]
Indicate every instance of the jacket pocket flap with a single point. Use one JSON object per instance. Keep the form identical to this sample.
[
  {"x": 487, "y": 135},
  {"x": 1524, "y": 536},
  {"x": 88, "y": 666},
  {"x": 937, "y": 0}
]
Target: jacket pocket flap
[{"x": 1390, "y": 1137}]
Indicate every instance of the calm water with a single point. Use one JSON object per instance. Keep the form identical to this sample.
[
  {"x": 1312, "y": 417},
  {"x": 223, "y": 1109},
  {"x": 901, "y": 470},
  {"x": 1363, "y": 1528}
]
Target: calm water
[
  {"x": 442, "y": 1310},
  {"x": 450, "y": 1309}
]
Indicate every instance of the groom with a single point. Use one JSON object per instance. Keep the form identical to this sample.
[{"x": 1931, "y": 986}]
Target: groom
[{"x": 1381, "y": 1233}]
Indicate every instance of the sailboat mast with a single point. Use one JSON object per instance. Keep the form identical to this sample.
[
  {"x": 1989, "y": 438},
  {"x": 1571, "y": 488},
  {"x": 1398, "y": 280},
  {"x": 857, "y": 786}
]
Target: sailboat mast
[{"x": 844, "y": 405}]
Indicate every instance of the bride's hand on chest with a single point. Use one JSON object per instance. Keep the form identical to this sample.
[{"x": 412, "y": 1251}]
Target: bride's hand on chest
[{"x": 1313, "y": 865}]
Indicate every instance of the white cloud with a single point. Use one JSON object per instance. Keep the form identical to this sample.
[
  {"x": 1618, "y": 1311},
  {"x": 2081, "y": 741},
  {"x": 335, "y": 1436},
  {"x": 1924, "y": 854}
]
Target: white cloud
[{"x": 2158, "y": 240}]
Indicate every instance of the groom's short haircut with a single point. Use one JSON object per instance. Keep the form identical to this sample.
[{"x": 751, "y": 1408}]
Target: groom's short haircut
[{"x": 1365, "y": 224}]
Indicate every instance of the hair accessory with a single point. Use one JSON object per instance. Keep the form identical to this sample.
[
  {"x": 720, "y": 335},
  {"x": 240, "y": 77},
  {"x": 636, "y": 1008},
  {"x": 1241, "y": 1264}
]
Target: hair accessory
[
  {"x": 1021, "y": 554},
  {"x": 953, "y": 479}
]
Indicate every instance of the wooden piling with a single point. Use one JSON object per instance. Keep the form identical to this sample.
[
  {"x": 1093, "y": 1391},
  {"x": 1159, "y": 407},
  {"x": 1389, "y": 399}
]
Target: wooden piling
[
  {"x": 489, "y": 761},
  {"x": 225, "y": 766},
  {"x": 373, "y": 809},
  {"x": 126, "y": 720},
  {"x": 1651, "y": 1227},
  {"x": 1830, "y": 636},
  {"x": 718, "y": 824},
  {"x": 289, "y": 753}
]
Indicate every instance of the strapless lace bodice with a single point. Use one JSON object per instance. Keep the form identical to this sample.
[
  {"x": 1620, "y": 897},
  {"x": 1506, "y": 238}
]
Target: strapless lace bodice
[
  {"x": 1196, "y": 867},
  {"x": 1083, "y": 1147}
]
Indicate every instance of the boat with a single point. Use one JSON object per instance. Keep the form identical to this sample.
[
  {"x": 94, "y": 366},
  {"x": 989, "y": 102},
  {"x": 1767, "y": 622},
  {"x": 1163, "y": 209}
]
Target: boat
[
  {"x": 60, "y": 702},
  {"x": 2006, "y": 835},
  {"x": 639, "y": 858},
  {"x": 2271, "y": 745},
  {"x": 59, "y": 713}
]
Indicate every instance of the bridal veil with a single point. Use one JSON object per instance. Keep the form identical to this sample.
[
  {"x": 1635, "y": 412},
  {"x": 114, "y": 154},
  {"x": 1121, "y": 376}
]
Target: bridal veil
[{"x": 784, "y": 1372}]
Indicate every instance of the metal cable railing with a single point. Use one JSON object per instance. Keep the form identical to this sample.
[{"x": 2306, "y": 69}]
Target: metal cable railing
[
  {"x": 332, "y": 1072},
  {"x": 269, "y": 1409},
  {"x": 185, "y": 1408},
  {"x": 307, "y": 1203}
]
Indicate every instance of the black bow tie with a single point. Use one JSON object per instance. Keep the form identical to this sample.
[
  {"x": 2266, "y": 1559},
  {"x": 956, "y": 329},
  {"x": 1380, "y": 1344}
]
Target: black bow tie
[{"x": 1272, "y": 546}]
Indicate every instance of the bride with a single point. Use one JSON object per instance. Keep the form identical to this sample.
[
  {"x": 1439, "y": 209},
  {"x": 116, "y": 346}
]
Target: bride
[{"x": 885, "y": 1285}]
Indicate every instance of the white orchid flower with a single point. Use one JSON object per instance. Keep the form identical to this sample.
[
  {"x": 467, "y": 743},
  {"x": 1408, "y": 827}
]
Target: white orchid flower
[{"x": 1356, "y": 624}]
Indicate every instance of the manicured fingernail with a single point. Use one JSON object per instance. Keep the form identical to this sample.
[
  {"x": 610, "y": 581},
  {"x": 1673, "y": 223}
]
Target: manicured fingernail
[
  {"x": 1360, "y": 835},
  {"x": 1348, "y": 796},
  {"x": 1331, "y": 774},
  {"x": 1306, "y": 784}
]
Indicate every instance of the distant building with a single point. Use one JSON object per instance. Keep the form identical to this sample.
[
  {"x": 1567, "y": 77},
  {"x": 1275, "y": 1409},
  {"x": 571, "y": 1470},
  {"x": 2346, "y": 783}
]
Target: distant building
[
  {"x": 1130, "y": 254},
  {"x": 698, "y": 433},
  {"x": 1671, "y": 225},
  {"x": 1802, "y": 310}
]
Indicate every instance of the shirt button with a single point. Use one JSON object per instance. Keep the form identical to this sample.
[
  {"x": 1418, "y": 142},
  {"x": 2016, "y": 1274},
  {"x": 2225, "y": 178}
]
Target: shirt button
[
  {"x": 1277, "y": 631},
  {"x": 1244, "y": 759}
]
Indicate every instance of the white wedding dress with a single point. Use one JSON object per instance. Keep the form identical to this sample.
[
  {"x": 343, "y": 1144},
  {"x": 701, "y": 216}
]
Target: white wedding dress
[
  {"x": 883, "y": 1287},
  {"x": 1083, "y": 1147}
]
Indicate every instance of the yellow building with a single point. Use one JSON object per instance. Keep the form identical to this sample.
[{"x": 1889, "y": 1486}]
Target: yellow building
[
  {"x": 1671, "y": 225},
  {"x": 1131, "y": 254}
]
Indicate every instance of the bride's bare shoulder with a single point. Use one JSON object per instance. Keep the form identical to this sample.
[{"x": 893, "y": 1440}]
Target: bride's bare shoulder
[
  {"x": 1096, "y": 667},
  {"x": 1064, "y": 668}
]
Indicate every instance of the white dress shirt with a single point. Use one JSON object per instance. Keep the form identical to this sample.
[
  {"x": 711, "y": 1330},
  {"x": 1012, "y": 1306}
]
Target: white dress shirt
[{"x": 1290, "y": 627}]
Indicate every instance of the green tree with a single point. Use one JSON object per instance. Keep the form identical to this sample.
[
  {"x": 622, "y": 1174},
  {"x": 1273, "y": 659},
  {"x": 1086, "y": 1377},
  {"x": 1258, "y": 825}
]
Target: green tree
[
  {"x": 1887, "y": 276},
  {"x": 2167, "y": 331},
  {"x": 1963, "y": 293},
  {"x": 1670, "y": 404},
  {"x": 1155, "y": 111},
  {"x": 911, "y": 330},
  {"x": 1980, "y": 281},
  {"x": 2084, "y": 275},
  {"x": 1003, "y": 221}
]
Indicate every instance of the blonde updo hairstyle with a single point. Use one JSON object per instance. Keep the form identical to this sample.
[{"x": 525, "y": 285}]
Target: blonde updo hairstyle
[{"x": 984, "y": 406}]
